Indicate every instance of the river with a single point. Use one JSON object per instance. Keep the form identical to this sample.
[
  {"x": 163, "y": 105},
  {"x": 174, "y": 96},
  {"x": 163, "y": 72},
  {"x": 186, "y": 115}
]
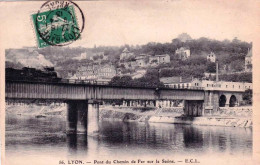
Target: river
[{"x": 30, "y": 139}]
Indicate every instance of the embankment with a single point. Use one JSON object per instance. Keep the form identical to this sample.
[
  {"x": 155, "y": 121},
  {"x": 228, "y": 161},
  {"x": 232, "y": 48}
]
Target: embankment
[
  {"x": 236, "y": 117},
  {"x": 229, "y": 117}
]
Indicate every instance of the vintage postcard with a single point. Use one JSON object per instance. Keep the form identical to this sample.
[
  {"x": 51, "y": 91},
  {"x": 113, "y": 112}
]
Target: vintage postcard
[{"x": 129, "y": 82}]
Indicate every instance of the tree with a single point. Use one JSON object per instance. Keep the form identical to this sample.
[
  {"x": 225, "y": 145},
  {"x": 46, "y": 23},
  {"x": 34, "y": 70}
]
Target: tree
[
  {"x": 121, "y": 81},
  {"x": 184, "y": 37},
  {"x": 247, "y": 96},
  {"x": 211, "y": 67}
]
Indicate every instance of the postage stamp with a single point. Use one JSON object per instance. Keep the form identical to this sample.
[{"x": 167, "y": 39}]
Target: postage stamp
[{"x": 56, "y": 24}]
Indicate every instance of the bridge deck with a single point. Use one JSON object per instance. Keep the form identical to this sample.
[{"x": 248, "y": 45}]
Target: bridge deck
[{"x": 68, "y": 91}]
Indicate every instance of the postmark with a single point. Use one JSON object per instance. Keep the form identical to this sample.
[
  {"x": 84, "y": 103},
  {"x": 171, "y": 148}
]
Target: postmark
[{"x": 56, "y": 23}]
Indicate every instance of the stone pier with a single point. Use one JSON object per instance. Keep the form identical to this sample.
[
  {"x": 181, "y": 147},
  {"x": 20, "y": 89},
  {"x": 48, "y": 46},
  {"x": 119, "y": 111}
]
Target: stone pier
[{"x": 82, "y": 117}]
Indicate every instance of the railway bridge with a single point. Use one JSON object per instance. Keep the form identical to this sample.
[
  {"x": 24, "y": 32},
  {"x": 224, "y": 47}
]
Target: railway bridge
[{"x": 79, "y": 96}]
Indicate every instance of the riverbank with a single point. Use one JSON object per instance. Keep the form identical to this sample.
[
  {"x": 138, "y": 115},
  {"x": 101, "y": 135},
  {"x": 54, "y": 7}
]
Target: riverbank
[
  {"x": 240, "y": 117},
  {"x": 228, "y": 117}
]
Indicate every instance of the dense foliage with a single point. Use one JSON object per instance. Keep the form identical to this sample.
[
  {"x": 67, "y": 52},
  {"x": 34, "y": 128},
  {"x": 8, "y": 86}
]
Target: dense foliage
[
  {"x": 248, "y": 96},
  {"x": 148, "y": 80},
  {"x": 241, "y": 77}
]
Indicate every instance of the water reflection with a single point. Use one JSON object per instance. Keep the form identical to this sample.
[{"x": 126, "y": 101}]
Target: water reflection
[{"x": 27, "y": 135}]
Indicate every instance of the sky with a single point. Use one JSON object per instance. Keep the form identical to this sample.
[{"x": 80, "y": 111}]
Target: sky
[{"x": 114, "y": 23}]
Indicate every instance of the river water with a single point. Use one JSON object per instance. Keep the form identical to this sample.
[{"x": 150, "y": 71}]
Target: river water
[{"x": 30, "y": 139}]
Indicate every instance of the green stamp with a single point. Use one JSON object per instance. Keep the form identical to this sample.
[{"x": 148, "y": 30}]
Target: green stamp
[{"x": 57, "y": 26}]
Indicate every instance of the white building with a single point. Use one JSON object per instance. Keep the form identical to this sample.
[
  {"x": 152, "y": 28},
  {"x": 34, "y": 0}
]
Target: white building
[
  {"x": 178, "y": 82},
  {"x": 183, "y": 53},
  {"x": 211, "y": 57},
  {"x": 142, "y": 60},
  {"x": 159, "y": 59},
  {"x": 226, "y": 86},
  {"x": 96, "y": 72},
  {"x": 126, "y": 54}
]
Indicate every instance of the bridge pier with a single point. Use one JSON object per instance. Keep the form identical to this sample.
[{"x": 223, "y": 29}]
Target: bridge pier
[
  {"x": 72, "y": 117},
  {"x": 82, "y": 123},
  {"x": 93, "y": 118},
  {"x": 82, "y": 117},
  {"x": 193, "y": 108}
]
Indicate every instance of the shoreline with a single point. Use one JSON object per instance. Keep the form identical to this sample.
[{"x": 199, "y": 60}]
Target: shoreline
[
  {"x": 116, "y": 113},
  {"x": 227, "y": 117}
]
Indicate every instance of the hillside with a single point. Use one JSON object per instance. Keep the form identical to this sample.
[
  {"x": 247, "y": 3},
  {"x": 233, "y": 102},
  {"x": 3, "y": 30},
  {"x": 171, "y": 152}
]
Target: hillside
[{"x": 230, "y": 54}]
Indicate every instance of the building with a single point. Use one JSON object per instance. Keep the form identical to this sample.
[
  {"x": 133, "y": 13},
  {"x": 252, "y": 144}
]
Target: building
[
  {"x": 209, "y": 75},
  {"x": 183, "y": 53},
  {"x": 179, "y": 82},
  {"x": 211, "y": 57},
  {"x": 163, "y": 59},
  {"x": 96, "y": 72},
  {"x": 87, "y": 72},
  {"x": 159, "y": 59},
  {"x": 106, "y": 72},
  {"x": 142, "y": 60},
  {"x": 129, "y": 64},
  {"x": 126, "y": 54},
  {"x": 226, "y": 85},
  {"x": 248, "y": 61}
]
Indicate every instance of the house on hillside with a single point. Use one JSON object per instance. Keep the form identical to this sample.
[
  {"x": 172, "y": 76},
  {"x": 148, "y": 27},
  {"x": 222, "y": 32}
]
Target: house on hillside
[
  {"x": 126, "y": 54},
  {"x": 159, "y": 59},
  {"x": 248, "y": 61},
  {"x": 106, "y": 72},
  {"x": 86, "y": 72},
  {"x": 182, "y": 53},
  {"x": 129, "y": 64},
  {"x": 142, "y": 60},
  {"x": 96, "y": 72},
  {"x": 211, "y": 57},
  {"x": 163, "y": 59}
]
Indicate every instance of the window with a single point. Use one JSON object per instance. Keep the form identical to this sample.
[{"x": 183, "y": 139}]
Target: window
[
  {"x": 233, "y": 86},
  {"x": 226, "y": 86},
  {"x": 207, "y": 85}
]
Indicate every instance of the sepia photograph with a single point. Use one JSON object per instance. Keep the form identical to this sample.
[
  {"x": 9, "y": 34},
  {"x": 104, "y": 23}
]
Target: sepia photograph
[{"x": 129, "y": 82}]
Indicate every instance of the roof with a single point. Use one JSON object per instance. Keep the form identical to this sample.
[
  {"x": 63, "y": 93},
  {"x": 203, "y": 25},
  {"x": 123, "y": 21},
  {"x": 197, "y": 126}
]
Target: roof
[
  {"x": 141, "y": 56},
  {"x": 161, "y": 55},
  {"x": 249, "y": 54}
]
